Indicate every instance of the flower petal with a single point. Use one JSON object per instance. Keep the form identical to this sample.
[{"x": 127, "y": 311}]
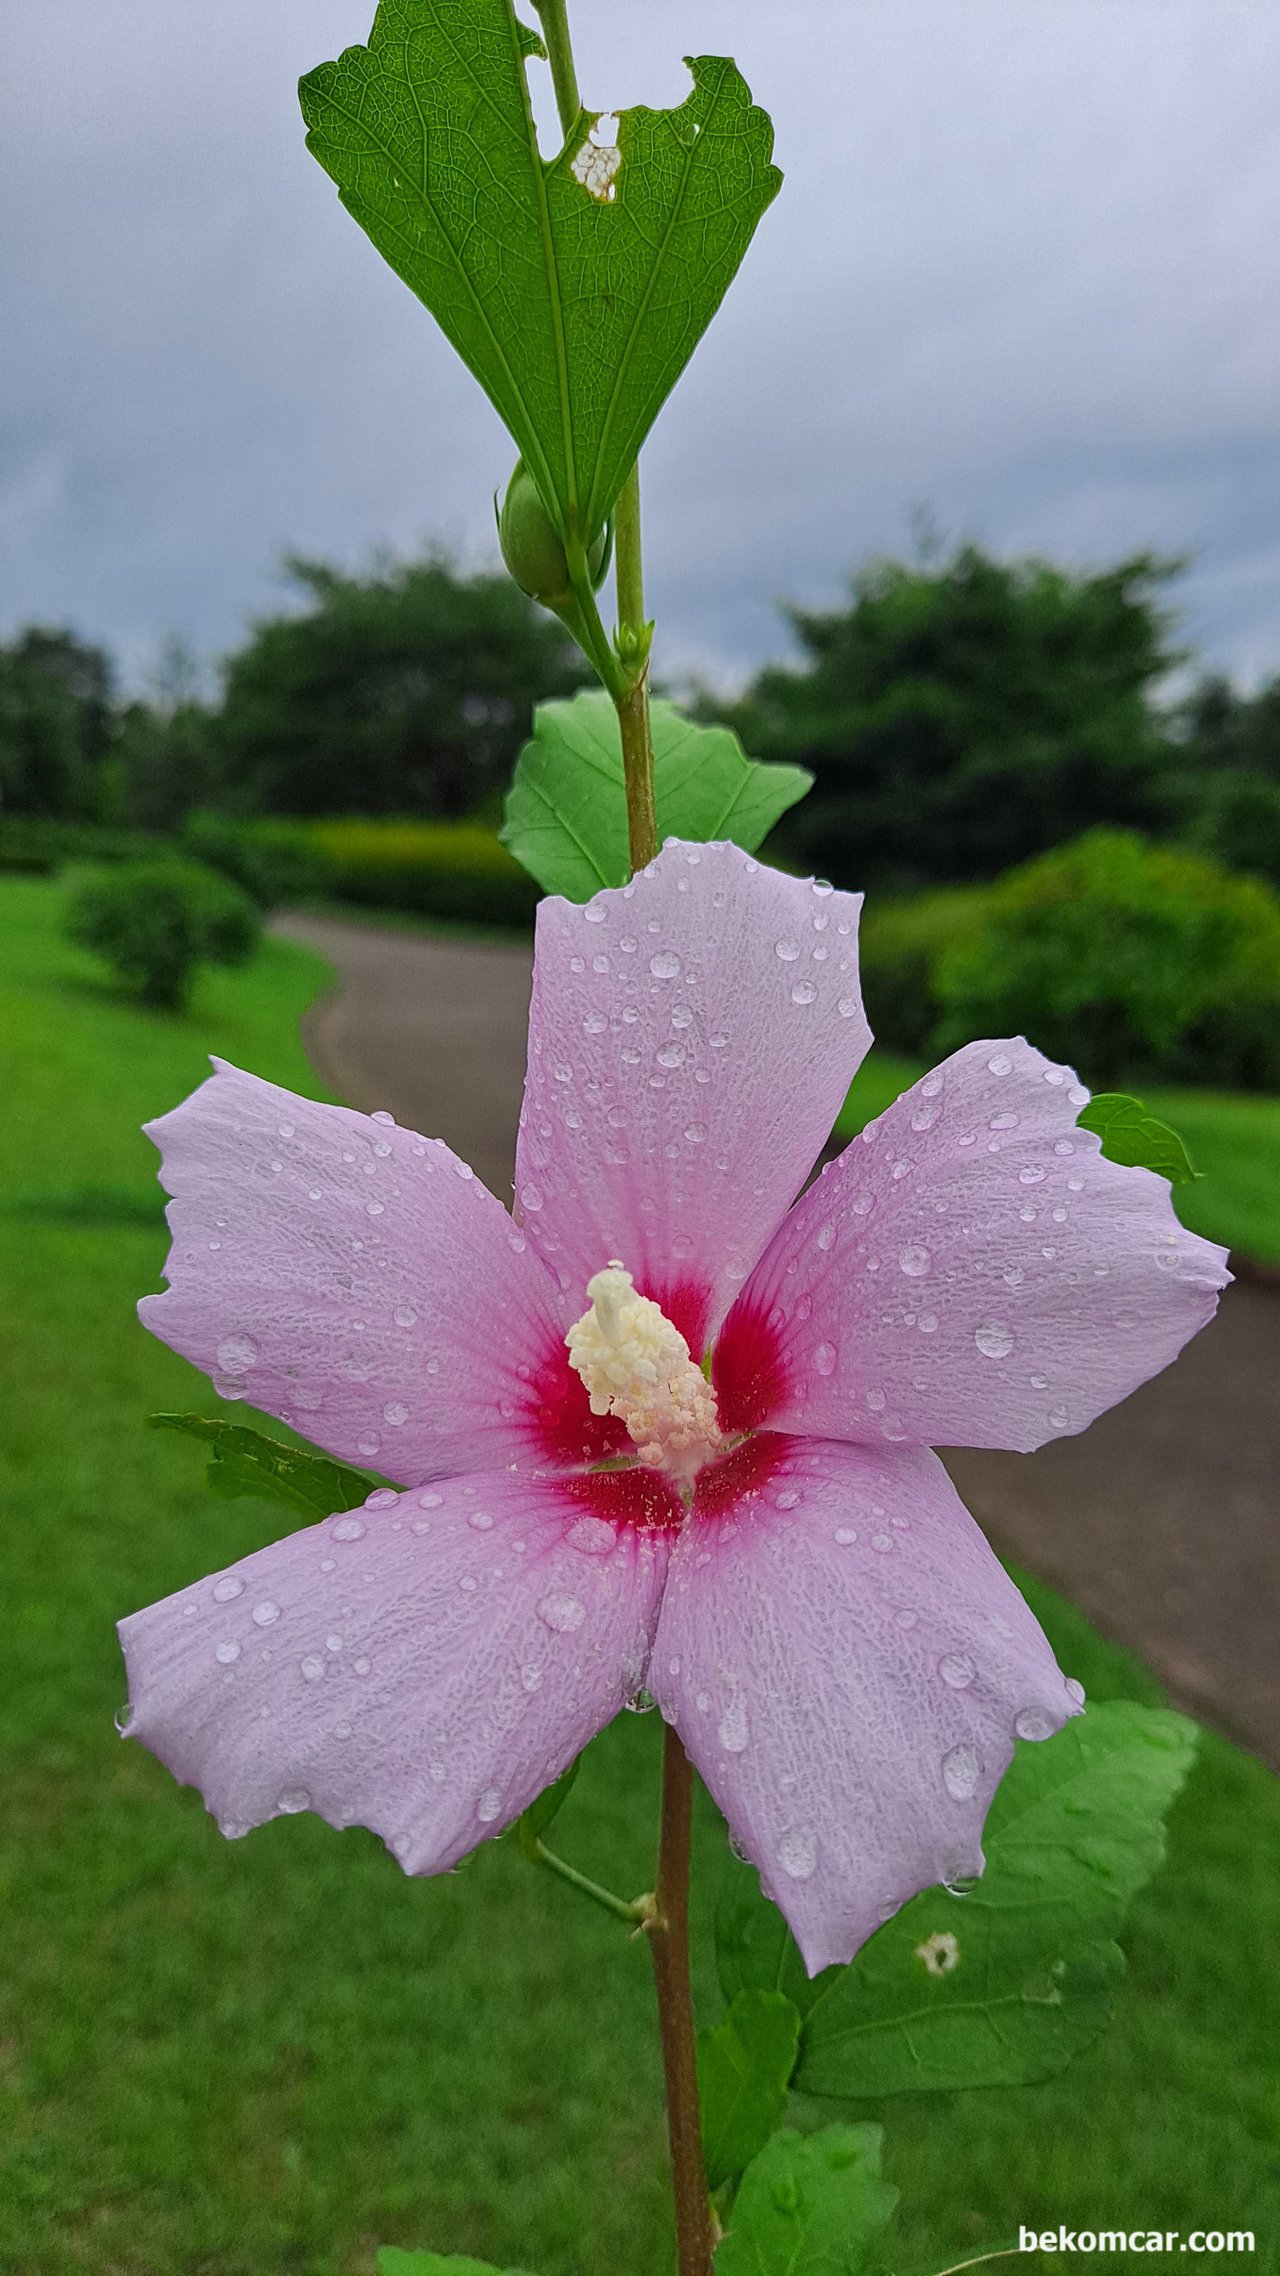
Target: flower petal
[
  {"x": 971, "y": 1272},
  {"x": 847, "y": 1664},
  {"x": 424, "y": 1666},
  {"x": 351, "y": 1277},
  {"x": 691, "y": 1039}
]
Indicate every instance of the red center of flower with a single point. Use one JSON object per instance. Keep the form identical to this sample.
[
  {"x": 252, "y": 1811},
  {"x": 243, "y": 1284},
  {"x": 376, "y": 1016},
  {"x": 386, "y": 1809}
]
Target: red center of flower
[{"x": 748, "y": 1378}]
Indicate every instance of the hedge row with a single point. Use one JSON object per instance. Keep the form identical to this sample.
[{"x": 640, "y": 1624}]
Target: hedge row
[{"x": 453, "y": 870}]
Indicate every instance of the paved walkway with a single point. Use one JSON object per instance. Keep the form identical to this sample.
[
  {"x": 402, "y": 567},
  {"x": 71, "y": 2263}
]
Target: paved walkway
[{"x": 1162, "y": 1522}]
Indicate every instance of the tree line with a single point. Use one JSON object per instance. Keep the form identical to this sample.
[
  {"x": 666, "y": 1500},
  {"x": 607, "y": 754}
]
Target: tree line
[{"x": 958, "y": 716}]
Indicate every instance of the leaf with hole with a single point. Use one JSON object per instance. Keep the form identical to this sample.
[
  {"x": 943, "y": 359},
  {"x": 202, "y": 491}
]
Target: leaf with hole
[
  {"x": 1003, "y": 1985},
  {"x": 566, "y": 809},
  {"x": 245, "y": 1462},
  {"x": 574, "y": 289},
  {"x": 1136, "y": 1139},
  {"x": 809, "y": 2205},
  {"x": 744, "y": 2065}
]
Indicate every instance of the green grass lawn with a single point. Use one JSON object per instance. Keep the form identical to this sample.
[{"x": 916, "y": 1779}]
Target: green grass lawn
[
  {"x": 262, "y": 2058},
  {"x": 1233, "y": 1140}
]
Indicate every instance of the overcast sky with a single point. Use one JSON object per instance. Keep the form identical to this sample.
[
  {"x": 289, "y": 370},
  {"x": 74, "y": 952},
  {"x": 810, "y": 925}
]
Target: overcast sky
[{"x": 1023, "y": 275}]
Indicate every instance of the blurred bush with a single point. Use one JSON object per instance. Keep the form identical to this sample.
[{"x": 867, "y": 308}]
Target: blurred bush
[
  {"x": 155, "y": 921},
  {"x": 454, "y": 870},
  {"x": 901, "y": 944},
  {"x": 1126, "y": 959},
  {"x": 273, "y": 862}
]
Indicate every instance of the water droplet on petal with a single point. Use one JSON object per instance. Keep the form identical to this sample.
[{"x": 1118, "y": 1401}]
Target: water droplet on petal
[
  {"x": 236, "y": 1355},
  {"x": 824, "y": 1358},
  {"x": 1000, "y": 1063},
  {"x": 562, "y": 1612},
  {"x": 226, "y": 1653},
  {"x": 228, "y": 1588},
  {"x": 489, "y": 1805},
  {"x": 798, "y": 1853},
  {"x": 1033, "y": 1723},
  {"x": 291, "y": 1799},
  {"x": 993, "y": 1339},
  {"x": 804, "y": 992},
  {"x": 961, "y": 1770},
  {"x": 313, "y": 1667},
  {"x": 733, "y": 1732},
  {"x": 381, "y": 1498},
  {"x": 957, "y": 1669},
  {"x": 1075, "y": 1692},
  {"x": 788, "y": 950},
  {"x": 665, "y": 965},
  {"x": 914, "y": 1261},
  {"x": 267, "y": 1613},
  {"x": 592, "y": 1536},
  {"x": 347, "y": 1529}
]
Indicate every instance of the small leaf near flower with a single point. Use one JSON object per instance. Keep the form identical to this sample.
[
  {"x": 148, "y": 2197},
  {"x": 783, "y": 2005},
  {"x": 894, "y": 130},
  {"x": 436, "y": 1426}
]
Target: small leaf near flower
[
  {"x": 812, "y": 2203},
  {"x": 566, "y": 809},
  {"x": 576, "y": 290},
  {"x": 534, "y": 1822},
  {"x": 247, "y": 1462},
  {"x": 1135, "y": 1138},
  {"x": 744, "y": 2065}
]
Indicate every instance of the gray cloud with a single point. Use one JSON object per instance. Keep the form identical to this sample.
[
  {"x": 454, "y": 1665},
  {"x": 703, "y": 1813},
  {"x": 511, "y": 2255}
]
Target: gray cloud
[{"x": 1023, "y": 271}]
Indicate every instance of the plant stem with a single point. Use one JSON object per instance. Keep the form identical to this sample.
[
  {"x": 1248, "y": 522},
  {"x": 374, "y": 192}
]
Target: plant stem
[
  {"x": 564, "y": 78},
  {"x": 636, "y": 1911},
  {"x": 669, "y": 1934},
  {"x": 633, "y": 708},
  {"x": 629, "y": 686}
]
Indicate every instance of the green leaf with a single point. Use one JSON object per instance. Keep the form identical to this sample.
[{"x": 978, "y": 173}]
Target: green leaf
[
  {"x": 393, "y": 2262},
  {"x": 755, "y": 1950},
  {"x": 743, "y": 2068},
  {"x": 533, "y": 1822},
  {"x": 244, "y": 1461},
  {"x": 576, "y": 312},
  {"x": 809, "y": 2205},
  {"x": 566, "y": 809},
  {"x": 1135, "y": 1138},
  {"x": 1003, "y": 1985}
]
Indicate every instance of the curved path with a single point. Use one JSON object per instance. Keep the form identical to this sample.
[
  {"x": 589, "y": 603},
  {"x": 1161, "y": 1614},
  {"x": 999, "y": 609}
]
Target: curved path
[{"x": 1162, "y": 1521}]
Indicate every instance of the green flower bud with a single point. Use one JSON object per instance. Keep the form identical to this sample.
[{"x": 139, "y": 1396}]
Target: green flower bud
[{"x": 532, "y": 547}]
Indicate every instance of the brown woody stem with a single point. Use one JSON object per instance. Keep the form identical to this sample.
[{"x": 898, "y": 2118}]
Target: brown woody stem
[{"x": 669, "y": 1935}]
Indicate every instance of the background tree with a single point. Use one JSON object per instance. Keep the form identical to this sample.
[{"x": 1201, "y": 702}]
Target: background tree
[
  {"x": 405, "y": 692},
  {"x": 964, "y": 715},
  {"x": 56, "y": 725},
  {"x": 1225, "y": 787}
]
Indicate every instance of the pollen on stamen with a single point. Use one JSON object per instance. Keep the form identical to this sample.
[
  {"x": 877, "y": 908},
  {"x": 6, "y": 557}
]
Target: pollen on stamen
[{"x": 636, "y": 1365}]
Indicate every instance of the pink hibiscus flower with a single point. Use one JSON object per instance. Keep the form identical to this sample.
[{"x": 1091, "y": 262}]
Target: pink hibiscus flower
[{"x": 765, "y": 1543}]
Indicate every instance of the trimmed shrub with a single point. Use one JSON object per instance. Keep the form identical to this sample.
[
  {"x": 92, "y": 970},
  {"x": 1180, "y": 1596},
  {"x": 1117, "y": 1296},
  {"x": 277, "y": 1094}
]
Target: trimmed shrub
[
  {"x": 1128, "y": 960},
  {"x": 154, "y": 921},
  {"x": 454, "y": 870},
  {"x": 900, "y": 945}
]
